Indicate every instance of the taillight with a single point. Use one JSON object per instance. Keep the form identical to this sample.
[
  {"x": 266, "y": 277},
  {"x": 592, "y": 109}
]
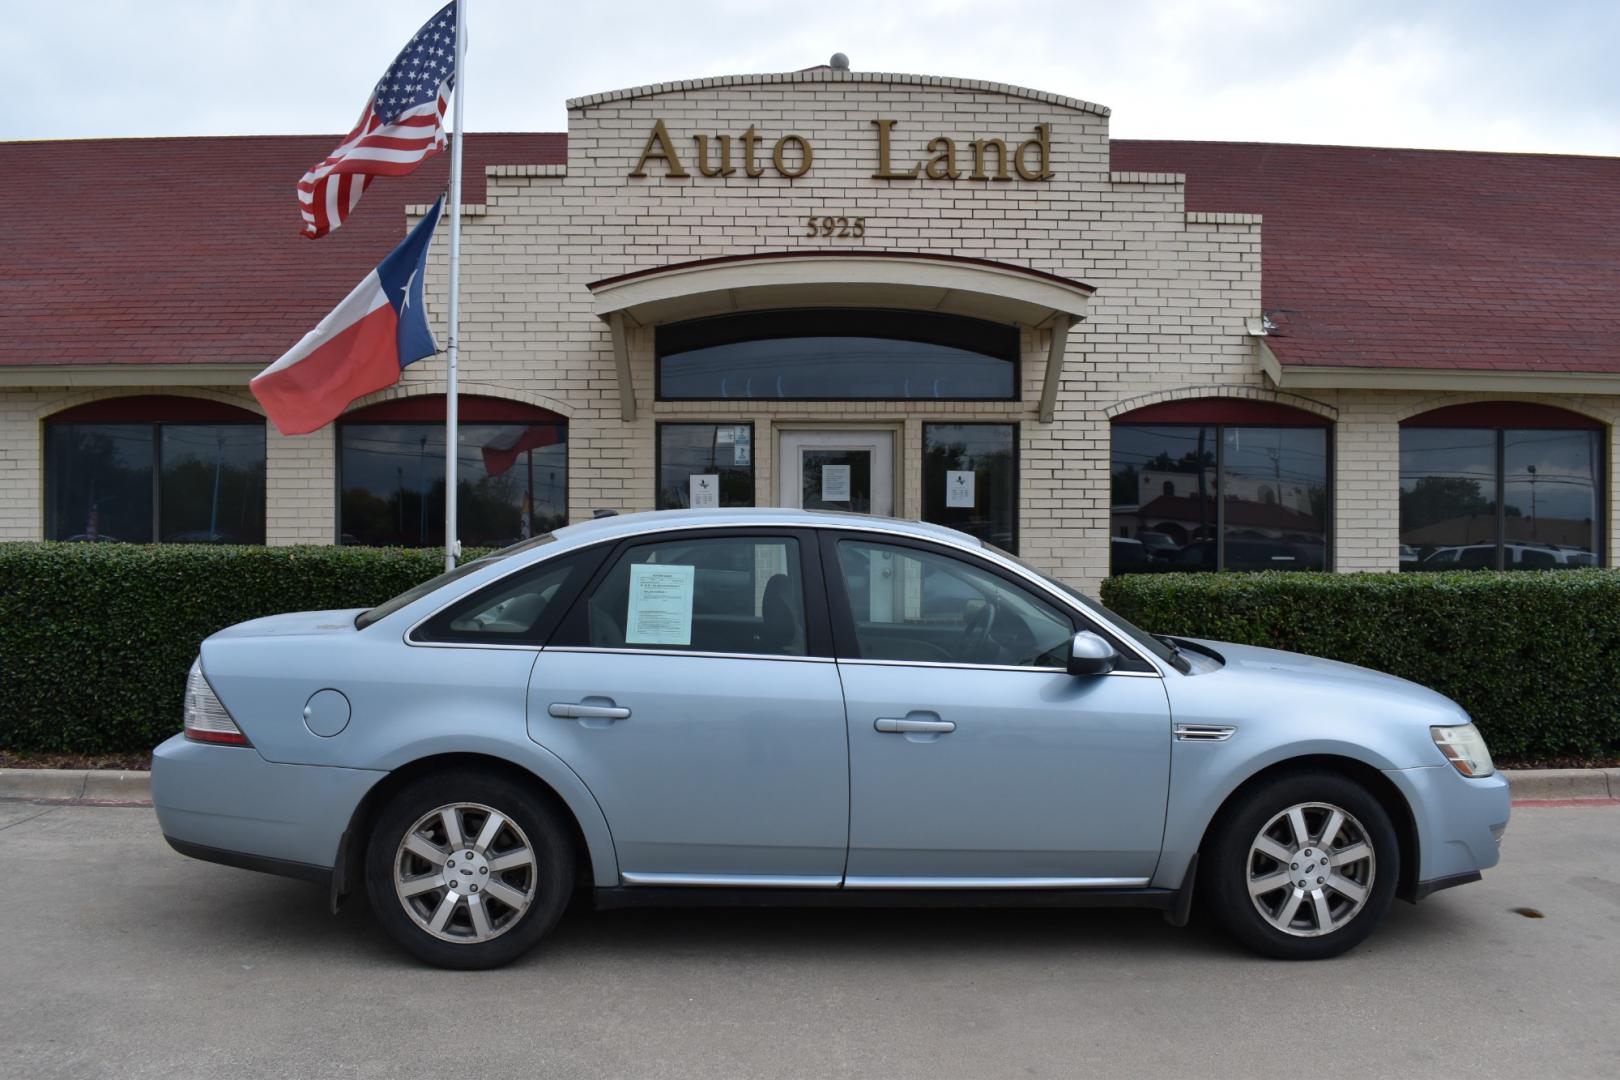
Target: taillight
[{"x": 205, "y": 717}]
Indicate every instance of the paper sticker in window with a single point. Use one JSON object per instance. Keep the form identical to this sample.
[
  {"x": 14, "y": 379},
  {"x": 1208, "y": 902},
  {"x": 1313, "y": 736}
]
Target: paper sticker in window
[{"x": 660, "y": 610}]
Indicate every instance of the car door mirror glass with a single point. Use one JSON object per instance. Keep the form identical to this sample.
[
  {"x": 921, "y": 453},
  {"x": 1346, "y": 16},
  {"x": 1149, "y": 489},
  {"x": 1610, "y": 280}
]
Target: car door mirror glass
[{"x": 1090, "y": 654}]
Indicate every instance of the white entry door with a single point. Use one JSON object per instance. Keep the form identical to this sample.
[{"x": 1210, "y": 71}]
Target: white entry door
[{"x": 838, "y": 470}]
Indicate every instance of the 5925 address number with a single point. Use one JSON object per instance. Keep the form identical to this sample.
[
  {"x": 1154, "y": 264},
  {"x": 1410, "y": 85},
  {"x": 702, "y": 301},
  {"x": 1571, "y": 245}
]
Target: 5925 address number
[{"x": 844, "y": 227}]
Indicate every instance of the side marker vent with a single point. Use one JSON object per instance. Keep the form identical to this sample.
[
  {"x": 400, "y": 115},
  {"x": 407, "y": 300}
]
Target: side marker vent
[{"x": 1204, "y": 732}]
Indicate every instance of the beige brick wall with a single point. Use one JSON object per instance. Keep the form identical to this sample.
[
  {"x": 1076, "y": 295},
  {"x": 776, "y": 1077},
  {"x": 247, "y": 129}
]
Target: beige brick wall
[{"x": 1167, "y": 321}]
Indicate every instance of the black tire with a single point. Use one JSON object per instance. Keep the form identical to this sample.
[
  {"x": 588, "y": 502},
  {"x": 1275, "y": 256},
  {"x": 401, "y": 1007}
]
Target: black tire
[
  {"x": 548, "y": 885},
  {"x": 1227, "y": 865}
]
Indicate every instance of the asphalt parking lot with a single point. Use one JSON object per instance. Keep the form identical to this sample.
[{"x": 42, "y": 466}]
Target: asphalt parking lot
[{"x": 122, "y": 959}]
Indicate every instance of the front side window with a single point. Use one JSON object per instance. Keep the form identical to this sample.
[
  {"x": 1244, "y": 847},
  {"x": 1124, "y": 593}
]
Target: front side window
[
  {"x": 710, "y": 594},
  {"x": 914, "y": 605},
  {"x": 837, "y": 354},
  {"x": 702, "y": 465},
  {"x": 1493, "y": 498},
  {"x": 1218, "y": 497},
  {"x": 970, "y": 480},
  {"x": 145, "y": 482},
  {"x": 512, "y": 482}
]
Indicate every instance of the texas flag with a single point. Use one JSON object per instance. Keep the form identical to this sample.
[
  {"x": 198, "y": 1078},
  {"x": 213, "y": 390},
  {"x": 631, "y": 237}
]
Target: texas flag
[{"x": 359, "y": 348}]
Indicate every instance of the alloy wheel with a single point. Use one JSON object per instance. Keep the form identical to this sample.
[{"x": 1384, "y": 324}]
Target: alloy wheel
[
  {"x": 465, "y": 873},
  {"x": 1310, "y": 869}
]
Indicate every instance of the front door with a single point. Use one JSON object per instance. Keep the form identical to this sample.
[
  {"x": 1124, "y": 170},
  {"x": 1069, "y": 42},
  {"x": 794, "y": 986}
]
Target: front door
[
  {"x": 838, "y": 470},
  {"x": 976, "y": 761}
]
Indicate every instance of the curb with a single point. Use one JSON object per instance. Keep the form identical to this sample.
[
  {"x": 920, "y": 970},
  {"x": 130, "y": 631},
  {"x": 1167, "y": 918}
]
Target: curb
[
  {"x": 105, "y": 785},
  {"x": 76, "y": 785}
]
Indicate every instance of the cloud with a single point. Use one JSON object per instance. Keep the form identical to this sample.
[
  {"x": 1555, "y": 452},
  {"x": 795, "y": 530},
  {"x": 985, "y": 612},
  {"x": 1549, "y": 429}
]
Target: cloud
[{"x": 1488, "y": 75}]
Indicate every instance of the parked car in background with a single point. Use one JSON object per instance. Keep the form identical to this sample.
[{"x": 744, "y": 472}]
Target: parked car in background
[
  {"x": 1515, "y": 557},
  {"x": 776, "y": 707}
]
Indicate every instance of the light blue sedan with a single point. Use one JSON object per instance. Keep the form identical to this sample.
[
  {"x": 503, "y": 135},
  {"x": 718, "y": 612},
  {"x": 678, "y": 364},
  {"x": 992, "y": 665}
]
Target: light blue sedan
[{"x": 773, "y": 706}]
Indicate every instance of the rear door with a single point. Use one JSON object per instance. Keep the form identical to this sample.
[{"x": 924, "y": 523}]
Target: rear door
[{"x": 693, "y": 690}]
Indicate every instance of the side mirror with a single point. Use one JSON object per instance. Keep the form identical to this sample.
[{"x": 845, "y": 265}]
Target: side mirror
[{"x": 1091, "y": 655}]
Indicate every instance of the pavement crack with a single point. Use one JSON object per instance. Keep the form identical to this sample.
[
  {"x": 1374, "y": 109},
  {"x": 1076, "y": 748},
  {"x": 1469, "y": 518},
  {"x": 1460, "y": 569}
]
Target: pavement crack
[{"x": 31, "y": 817}]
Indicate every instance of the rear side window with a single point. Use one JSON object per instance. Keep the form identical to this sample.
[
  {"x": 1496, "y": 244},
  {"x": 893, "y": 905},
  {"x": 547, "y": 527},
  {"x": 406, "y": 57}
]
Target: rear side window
[
  {"x": 517, "y": 610},
  {"x": 742, "y": 594}
]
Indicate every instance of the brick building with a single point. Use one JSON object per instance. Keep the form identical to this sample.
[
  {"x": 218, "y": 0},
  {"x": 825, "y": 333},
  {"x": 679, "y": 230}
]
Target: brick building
[{"x": 929, "y": 297}]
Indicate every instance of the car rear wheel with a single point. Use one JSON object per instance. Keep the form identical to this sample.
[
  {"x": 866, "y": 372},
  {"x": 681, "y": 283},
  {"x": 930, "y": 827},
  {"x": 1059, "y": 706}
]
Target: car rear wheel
[
  {"x": 467, "y": 869},
  {"x": 1303, "y": 867}
]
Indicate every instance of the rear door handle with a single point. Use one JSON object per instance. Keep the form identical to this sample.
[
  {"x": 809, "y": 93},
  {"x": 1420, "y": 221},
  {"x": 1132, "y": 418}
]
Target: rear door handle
[
  {"x": 902, "y": 726},
  {"x": 564, "y": 711}
]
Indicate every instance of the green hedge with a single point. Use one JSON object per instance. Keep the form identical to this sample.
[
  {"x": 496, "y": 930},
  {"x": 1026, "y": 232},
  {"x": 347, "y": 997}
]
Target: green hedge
[
  {"x": 1533, "y": 656},
  {"x": 95, "y": 639}
]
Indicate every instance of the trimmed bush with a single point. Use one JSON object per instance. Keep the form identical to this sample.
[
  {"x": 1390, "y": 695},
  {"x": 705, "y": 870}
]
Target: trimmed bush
[
  {"x": 95, "y": 639},
  {"x": 1533, "y": 656}
]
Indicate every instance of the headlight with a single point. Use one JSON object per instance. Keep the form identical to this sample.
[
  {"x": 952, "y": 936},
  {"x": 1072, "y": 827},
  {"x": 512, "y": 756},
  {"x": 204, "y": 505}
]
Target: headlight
[{"x": 1464, "y": 747}]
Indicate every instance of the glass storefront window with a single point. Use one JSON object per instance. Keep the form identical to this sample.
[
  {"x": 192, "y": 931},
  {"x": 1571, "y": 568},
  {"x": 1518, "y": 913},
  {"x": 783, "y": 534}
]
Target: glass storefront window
[
  {"x": 145, "y": 482},
  {"x": 970, "y": 480},
  {"x": 838, "y": 355},
  {"x": 1218, "y": 497},
  {"x": 690, "y": 456},
  {"x": 1499, "y": 498},
  {"x": 512, "y": 482}
]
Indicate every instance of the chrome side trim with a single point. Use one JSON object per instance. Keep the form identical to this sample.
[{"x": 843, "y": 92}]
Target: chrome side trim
[
  {"x": 689, "y": 652},
  {"x": 1204, "y": 732},
  {"x": 990, "y": 667},
  {"x": 753, "y": 881},
  {"x": 995, "y": 882}
]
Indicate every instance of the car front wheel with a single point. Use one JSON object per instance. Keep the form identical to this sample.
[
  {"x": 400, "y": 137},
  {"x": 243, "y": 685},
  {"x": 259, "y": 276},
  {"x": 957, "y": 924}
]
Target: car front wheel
[
  {"x": 1303, "y": 867},
  {"x": 467, "y": 869}
]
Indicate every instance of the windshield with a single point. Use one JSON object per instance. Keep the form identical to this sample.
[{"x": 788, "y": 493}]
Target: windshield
[
  {"x": 416, "y": 592},
  {"x": 1147, "y": 641}
]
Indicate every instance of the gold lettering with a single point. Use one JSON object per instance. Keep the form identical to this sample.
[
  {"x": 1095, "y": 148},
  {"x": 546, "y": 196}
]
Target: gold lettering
[
  {"x": 748, "y": 141},
  {"x": 806, "y": 154},
  {"x": 725, "y": 168},
  {"x": 980, "y": 146},
  {"x": 659, "y": 146},
  {"x": 942, "y": 166},
  {"x": 884, "y": 172},
  {"x": 1042, "y": 142}
]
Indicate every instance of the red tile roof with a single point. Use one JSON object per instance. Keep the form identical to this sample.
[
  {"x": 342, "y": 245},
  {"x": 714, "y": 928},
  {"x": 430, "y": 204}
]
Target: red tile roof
[
  {"x": 187, "y": 249},
  {"x": 1420, "y": 258}
]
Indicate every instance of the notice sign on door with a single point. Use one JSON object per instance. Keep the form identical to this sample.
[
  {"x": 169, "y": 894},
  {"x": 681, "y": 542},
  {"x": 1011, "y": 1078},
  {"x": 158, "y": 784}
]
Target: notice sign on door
[
  {"x": 835, "y": 483},
  {"x": 742, "y": 445},
  {"x": 660, "y": 605},
  {"x": 959, "y": 488},
  {"x": 704, "y": 491}
]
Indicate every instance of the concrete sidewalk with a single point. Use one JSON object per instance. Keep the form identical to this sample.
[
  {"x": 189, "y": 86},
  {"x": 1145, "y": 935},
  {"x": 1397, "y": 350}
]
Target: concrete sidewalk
[{"x": 112, "y": 786}]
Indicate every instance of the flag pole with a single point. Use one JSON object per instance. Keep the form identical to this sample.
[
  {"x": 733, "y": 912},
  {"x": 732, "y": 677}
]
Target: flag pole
[{"x": 452, "y": 546}]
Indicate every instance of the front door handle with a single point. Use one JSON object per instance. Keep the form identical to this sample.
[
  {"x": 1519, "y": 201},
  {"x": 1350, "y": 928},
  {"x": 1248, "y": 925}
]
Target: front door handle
[
  {"x": 564, "y": 711},
  {"x": 905, "y": 725}
]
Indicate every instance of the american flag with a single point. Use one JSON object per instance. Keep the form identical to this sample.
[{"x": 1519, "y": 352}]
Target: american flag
[{"x": 402, "y": 125}]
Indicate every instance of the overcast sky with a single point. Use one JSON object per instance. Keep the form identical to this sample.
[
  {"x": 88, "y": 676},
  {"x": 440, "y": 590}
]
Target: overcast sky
[{"x": 1484, "y": 75}]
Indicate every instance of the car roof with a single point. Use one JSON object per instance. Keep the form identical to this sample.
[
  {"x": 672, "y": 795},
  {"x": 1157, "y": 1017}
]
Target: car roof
[{"x": 616, "y": 525}]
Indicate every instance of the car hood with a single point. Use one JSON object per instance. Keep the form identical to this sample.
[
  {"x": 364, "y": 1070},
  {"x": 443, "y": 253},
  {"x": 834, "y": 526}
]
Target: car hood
[
  {"x": 1293, "y": 676},
  {"x": 294, "y": 623}
]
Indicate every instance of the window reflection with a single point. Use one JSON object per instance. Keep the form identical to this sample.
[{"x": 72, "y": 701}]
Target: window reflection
[
  {"x": 838, "y": 354},
  {"x": 722, "y": 450},
  {"x": 512, "y": 483},
  {"x": 1183, "y": 495},
  {"x": 1490, "y": 498},
  {"x": 209, "y": 484},
  {"x": 970, "y": 480}
]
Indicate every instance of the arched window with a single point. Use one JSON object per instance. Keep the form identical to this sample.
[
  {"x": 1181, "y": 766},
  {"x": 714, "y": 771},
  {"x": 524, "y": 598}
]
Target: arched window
[
  {"x": 1501, "y": 485},
  {"x": 512, "y": 472},
  {"x": 837, "y": 354},
  {"x": 155, "y": 468},
  {"x": 1223, "y": 484}
]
